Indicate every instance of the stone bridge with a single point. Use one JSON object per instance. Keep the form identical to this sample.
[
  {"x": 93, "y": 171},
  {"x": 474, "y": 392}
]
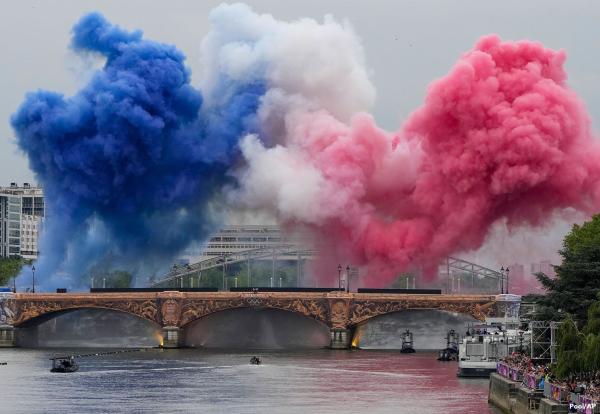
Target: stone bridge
[{"x": 172, "y": 311}]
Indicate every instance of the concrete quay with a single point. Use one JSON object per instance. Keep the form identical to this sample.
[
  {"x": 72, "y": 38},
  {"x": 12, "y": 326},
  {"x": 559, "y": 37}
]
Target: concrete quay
[{"x": 511, "y": 397}]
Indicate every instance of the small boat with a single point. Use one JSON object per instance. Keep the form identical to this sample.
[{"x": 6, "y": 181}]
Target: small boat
[
  {"x": 255, "y": 360},
  {"x": 64, "y": 364},
  {"x": 3, "y": 363},
  {"x": 407, "y": 343},
  {"x": 450, "y": 353}
]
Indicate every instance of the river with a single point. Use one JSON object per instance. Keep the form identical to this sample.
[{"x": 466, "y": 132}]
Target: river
[{"x": 200, "y": 381}]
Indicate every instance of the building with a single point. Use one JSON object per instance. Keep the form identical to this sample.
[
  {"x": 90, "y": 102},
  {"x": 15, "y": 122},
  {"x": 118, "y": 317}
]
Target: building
[
  {"x": 238, "y": 238},
  {"x": 545, "y": 267},
  {"x": 22, "y": 212},
  {"x": 233, "y": 239}
]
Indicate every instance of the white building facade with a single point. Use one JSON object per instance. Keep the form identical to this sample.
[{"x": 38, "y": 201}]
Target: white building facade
[{"x": 22, "y": 212}]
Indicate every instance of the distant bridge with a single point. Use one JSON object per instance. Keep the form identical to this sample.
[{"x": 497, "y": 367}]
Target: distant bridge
[
  {"x": 174, "y": 311},
  {"x": 453, "y": 270},
  {"x": 287, "y": 252}
]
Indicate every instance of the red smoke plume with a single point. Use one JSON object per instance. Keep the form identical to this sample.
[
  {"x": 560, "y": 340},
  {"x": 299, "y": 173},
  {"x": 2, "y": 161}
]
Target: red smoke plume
[{"x": 501, "y": 135}]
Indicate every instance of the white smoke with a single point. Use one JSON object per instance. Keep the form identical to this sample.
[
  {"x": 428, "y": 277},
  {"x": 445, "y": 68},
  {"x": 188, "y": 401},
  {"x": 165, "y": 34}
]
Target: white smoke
[{"x": 314, "y": 65}]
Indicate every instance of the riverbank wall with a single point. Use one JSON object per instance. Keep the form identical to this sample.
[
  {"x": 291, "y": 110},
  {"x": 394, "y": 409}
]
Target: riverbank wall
[{"x": 511, "y": 397}]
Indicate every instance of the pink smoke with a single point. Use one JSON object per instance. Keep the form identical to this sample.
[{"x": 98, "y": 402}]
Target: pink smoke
[{"x": 501, "y": 135}]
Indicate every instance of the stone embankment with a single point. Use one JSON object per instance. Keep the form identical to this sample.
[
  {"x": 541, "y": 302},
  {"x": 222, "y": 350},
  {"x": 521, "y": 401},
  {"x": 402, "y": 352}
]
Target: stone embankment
[{"x": 513, "y": 394}]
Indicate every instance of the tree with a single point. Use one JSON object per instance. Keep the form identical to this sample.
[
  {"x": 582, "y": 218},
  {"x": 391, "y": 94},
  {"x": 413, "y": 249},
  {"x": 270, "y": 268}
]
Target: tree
[
  {"x": 577, "y": 279},
  {"x": 569, "y": 348},
  {"x": 584, "y": 236},
  {"x": 9, "y": 268},
  {"x": 112, "y": 278}
]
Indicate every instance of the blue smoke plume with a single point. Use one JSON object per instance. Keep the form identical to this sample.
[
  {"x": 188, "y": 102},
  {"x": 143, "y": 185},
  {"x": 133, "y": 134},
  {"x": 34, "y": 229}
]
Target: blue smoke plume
[{"x": 133, "y": 162}]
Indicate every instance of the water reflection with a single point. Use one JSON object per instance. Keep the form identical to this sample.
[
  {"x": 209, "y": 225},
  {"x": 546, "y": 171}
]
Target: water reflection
[{"x": 185, "y": 381}]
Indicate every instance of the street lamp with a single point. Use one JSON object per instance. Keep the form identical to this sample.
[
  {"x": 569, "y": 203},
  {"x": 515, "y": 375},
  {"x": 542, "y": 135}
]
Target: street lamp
[
  {"x": 33, "y": 278},
  {"x": 271, "y": 281},
  {"x": 507, "y": 270},
  {"x": 223, "y": 258},
  {"x": 280, "y": 280},
  {"x": 15, "y": 284},
  {"x": 502, "y": 280},
  {"x": 339, "y": 276},
  {"x": 348, "y": 278}
]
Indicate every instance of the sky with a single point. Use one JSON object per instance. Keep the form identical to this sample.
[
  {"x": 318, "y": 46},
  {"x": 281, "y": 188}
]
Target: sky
[{"x": 407, "y": 45}]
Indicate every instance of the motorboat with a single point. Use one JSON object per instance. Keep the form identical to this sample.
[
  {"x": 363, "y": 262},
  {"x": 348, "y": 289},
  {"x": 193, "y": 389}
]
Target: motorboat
[
  {"x": 450, "y": 353},
  {"x": 407, "y": 343},
  {"x": 64, "y": 364},
  {"x": 255, "y": 360}
]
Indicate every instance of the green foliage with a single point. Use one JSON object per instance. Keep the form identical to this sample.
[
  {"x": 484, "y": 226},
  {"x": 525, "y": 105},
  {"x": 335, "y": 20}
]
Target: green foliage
[
  {"x": 9, "y": 268},
  {"x": 584, "y": 236},
  {"x": 113, "y": 279},
  {"x": 579, "y": 352},
  {"x": 577, "y": 279},
  {"x": 569, "y": 348},
  {"x": 261, "y": 272},
  {"x": 593, "y": 321},
  {"x": 575, "y": 293},
  {"x": 590, "y": 356}
]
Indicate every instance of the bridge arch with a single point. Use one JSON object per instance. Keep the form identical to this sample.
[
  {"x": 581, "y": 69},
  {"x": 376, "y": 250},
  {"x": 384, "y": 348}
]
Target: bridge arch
[
  {"x": 312, "y": 309},
  {"x": 363, "y": 311},
  {"x": 88, "y": 327},
  {"x": 428, "y": 326},
  {"x": 27, "y": 312},
  {"x": 254, "y": 327},
  {"x": 49, "y": 315}
]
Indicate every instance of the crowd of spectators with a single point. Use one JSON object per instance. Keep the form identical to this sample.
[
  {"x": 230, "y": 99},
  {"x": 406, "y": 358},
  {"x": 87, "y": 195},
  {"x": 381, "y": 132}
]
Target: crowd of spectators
[{"x": 587, "y": 384}]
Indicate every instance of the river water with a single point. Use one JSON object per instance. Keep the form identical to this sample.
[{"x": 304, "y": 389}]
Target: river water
[{"x": 200, "y": 381}]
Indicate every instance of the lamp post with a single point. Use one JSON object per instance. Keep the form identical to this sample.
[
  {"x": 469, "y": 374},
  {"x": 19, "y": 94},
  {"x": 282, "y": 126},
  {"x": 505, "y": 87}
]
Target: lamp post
[
  {"x": 92, "y": 282},
  {"x": 15, "y": 284},
  {"x": 348, "y": 279},
  {"x": 223, "y": 258},
  {"x": 33, "y": 278},
  {"x": 339, "y": 276},
  {"x": 507, "y": 270},
  {"x": 103, "y": 283},
  {"x": 280, "y": 281},
  {"x": 502, "y": 280}
]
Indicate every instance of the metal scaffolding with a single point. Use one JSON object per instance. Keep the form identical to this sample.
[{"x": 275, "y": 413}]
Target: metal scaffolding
[{"x": 543, "y": 340}]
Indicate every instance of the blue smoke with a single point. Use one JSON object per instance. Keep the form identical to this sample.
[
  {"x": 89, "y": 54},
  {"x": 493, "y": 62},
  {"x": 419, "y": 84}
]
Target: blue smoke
[{"x": 132, "y": 164}]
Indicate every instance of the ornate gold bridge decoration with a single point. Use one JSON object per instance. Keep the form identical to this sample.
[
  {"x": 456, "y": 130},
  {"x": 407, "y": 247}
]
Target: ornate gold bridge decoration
[{"x": 337, "y": 310}]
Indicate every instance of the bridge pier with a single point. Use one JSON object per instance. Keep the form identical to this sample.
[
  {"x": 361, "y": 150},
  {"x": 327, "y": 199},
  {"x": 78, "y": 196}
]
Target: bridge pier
[
  {"x": 340, "y": 338},
  {"x": 172, "y": 337},
  {"x": 8, "y": 337}
]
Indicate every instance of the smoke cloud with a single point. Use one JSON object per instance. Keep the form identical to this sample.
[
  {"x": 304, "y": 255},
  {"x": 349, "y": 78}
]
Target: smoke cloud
[
  {"x": 133, "y": 162},
  {"x": 501, "y": 137},
  {"x": 139, "y": 163}
]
